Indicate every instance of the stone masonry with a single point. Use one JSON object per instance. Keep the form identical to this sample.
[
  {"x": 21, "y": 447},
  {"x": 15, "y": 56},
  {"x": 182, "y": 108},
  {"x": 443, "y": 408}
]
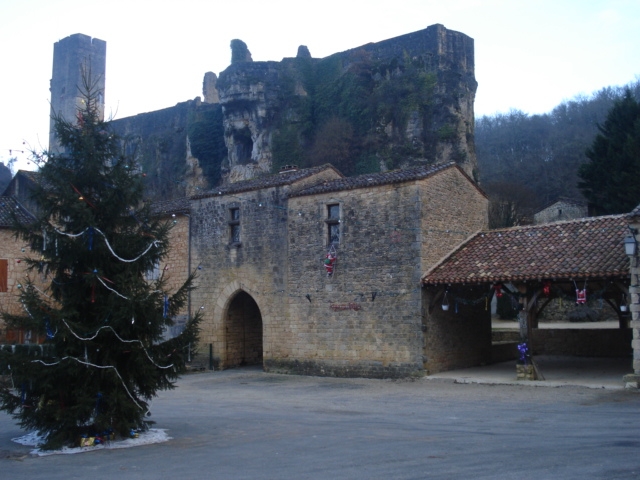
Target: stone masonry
[{"x": 366, "y": 319}]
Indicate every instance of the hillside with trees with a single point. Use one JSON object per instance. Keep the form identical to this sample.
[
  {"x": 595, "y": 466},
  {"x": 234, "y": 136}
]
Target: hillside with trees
[{"x": 527, "y": 161}]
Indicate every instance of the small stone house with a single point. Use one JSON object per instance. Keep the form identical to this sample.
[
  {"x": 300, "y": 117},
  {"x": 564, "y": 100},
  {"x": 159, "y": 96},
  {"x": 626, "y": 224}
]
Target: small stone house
[
  {"x": 561, "y": 209},
  {"x": 263, "y": 248}
]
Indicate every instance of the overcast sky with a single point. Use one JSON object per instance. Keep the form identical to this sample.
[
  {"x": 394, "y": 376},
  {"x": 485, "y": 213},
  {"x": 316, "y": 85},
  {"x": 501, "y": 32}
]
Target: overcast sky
[{"x": 530, "y": 55}]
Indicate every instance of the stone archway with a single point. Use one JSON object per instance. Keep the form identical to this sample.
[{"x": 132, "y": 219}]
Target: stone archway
[{"x": 243, "y": 331}]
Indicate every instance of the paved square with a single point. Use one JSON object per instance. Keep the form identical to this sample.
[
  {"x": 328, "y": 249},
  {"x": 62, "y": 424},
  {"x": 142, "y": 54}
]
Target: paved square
[{"x": 245, "y": 424}]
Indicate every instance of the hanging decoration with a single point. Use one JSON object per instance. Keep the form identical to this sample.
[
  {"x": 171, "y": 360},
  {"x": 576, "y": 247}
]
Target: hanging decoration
[
  {"x": 330, "y": 260},
  {"x": 546, "y": 288},
  {"x": 445, "y": 301},
  {"x": 581, "y": 295},
  {"x": 155, "y": 243},
  {"x": 498, "y": 289},
  {"x": 90, "y": 239},
  {"x": 107, "y": 327},
  {"x": 623, "y": 303},
  {"x": 88, "y": 364}
]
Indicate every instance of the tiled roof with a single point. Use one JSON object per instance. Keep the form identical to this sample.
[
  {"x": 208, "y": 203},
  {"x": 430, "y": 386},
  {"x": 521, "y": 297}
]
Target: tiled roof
[
  {"x": 178, "y": 205},
  {"x": 374, "y": 179},
  {"x": 8, "y": 205},
  {"x": 265, "y": 181},
  {"x": 635, "y": 212},
  {"x": 576, "y": 249}
]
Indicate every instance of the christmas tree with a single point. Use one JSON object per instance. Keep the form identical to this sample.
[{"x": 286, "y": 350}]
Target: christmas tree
[{"x": 93, "y": 244}]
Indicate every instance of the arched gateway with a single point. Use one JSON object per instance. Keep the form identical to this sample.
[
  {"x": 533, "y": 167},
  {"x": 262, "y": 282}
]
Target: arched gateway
[{"x": 243, "y": 331}]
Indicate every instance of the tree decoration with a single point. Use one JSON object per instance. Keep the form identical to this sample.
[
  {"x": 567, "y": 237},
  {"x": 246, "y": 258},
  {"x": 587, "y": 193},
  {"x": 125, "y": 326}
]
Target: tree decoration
[
  {"x": 330, "y": 260},
  {"x": 104, "y": 356},
  {"x": 581, "y": 294},
  {"x": 445, "y": 301}
]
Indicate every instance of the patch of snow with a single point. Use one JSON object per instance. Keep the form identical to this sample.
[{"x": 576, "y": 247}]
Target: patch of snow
[{"x": 153, "y": 435}]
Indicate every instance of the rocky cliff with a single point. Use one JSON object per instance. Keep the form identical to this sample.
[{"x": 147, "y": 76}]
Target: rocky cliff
[{"x": 392, "y": 104}]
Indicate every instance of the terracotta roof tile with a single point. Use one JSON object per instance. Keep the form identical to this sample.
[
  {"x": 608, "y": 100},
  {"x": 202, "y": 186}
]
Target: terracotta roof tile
[{"x": 576, "y": 249}]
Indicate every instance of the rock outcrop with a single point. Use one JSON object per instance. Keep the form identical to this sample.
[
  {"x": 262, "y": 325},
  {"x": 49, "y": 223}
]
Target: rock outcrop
[{"x": 409, "y": 100}]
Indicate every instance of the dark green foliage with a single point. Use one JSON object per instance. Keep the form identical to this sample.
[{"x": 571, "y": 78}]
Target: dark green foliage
[
  {"x": 104, "y": 356},
  {"x": 206, "y": 137},
  {"x": 286, "y": 147},
  {"x": 543, "y": 152},
  {"x": 372, "y": 102},
  {"x": 611, "y": 179}
]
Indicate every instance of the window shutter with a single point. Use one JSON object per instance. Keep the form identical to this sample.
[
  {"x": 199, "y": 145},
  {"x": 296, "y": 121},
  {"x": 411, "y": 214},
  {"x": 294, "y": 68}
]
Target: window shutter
[{"x": 3, "y": 274}]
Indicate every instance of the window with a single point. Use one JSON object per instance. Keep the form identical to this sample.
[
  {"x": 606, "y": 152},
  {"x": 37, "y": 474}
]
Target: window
[
  {"x": 333, "y": 224},
  {"x": 154, "y": 273},
  {"x": 3, "y": 274},
  {"x": 234, "y": 225}
]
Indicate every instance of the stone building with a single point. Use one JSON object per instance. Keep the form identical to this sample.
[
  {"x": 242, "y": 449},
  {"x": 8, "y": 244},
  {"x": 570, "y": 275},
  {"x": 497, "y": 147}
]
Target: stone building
[
  {"x": 12, "y": 269},
  {"x": 576, "y": 261},
  {"x": 266, "y": 294},
  {"x": 561, "y": 209}
]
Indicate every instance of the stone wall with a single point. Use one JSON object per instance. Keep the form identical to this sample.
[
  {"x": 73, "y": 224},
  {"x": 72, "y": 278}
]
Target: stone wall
[
  {"x": 257, "y": 265},
  {"x": 459, "y": 337},
  {"x": 634, "y": 307},
  {"x": 579, "y": 342},
  {"x": 560, "y": 210},
  {"x": 452, "y": 209},
  {"x": 75, "y": 57},
  {"x": 364, "y": 320},
  {"x": 11, "y": 251},
  {"x": 582, "y": 342},
  {"x": 176, "y": 265}
]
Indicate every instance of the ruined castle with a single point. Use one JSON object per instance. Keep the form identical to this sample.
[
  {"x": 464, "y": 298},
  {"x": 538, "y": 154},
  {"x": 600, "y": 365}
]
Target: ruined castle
[{"x": 406, "y": 101}]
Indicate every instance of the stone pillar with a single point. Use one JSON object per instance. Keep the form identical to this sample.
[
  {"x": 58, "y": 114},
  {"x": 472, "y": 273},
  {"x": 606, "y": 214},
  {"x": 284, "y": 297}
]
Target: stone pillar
[{"x": 633, "y": 380}]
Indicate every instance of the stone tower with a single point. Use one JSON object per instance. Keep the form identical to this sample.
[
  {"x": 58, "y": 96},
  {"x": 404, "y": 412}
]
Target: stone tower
[{"x": 72, "y": 57}]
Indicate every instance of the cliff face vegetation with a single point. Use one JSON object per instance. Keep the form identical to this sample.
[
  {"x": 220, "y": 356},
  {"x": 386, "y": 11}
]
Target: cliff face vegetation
[
  {"x": 387, "y": 105},
  {"x": 392, "y": 104}
]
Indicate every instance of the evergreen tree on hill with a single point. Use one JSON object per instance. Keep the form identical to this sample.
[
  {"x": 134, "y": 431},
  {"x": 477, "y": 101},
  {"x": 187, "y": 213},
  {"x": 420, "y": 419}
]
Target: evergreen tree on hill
[
  {"x": 610, "y": 180},
  {"x": 104, "y": 356}
]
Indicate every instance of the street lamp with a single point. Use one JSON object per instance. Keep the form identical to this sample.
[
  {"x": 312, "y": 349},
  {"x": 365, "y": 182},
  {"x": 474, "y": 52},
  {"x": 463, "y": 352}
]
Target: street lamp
[{"x": 630, "y": 242}]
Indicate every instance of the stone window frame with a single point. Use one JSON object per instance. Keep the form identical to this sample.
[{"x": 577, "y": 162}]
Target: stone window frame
[
  {"x": 234, "y": 225},
  {"x": 332, "y": 222}
]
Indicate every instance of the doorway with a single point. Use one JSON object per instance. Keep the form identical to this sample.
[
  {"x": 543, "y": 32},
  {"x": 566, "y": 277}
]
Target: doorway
[{"x": 244, "y": 332}]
